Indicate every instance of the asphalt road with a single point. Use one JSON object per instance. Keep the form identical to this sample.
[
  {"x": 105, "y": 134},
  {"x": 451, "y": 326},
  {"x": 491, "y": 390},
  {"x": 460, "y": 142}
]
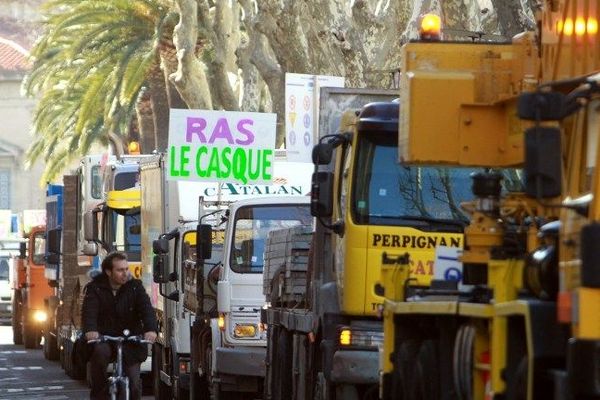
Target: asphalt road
[{"x": 26, "y": 374}]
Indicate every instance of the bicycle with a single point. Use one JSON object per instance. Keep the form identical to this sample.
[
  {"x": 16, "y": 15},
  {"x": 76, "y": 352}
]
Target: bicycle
[{"x": 117, "y": 375}]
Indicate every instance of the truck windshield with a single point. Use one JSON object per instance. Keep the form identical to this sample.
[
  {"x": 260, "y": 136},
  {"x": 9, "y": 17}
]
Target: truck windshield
[
  {"x": 123, "y": 234},
  {"x": 126, "y": 180},
  {"x": 386, "y": 192},
  {"x": 39, "y": 251},
  {"x": 252, "y": 225}
]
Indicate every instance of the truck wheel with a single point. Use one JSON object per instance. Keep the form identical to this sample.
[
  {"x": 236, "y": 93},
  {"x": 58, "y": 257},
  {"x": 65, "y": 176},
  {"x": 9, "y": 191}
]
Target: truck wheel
[
  {"x": 31, "y": 336},
  {"x": 427, "y": 371},
  {"x": 198, "y": 385},
  {"x": 214, "y": 389},
  {"x": 50, "y": 345},
  {"x": 161, "y": 390},
  {"x": 404, "y": 362},
  {"x": 16, "y": 319},
  {"x": 283, "y": 378},
  {"x": 271, "y": 368},
  {"x": 78, "y": 366},
  {"x": 67, "y": 357}
]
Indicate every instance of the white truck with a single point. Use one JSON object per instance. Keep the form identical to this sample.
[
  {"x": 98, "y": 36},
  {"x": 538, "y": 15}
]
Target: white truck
[
  {"x": 169, "y": 211},
  {"x": 229, "y": 343}
]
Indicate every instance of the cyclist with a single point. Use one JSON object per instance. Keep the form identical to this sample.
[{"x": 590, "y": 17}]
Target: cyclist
[{"x": 114, "y": 301}]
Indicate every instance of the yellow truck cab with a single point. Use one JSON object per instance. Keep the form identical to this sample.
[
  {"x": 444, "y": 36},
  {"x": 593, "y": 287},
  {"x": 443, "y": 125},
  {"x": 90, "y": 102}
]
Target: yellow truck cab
[{"x": 371, "y": 211}]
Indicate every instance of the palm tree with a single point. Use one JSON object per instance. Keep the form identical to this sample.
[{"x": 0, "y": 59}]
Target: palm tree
[{"x": 88, "y": 71}]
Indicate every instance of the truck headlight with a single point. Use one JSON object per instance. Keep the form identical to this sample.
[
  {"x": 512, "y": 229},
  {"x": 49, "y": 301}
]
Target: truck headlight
[
  {"x": 244, "y": 330},
  {"x": 40, "y": 316}
]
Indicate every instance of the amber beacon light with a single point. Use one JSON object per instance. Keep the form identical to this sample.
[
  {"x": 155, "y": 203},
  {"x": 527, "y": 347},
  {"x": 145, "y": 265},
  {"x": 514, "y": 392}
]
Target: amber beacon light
[
  {"x": 133, "y": 148},
  {"x": 431, "y": 27}
]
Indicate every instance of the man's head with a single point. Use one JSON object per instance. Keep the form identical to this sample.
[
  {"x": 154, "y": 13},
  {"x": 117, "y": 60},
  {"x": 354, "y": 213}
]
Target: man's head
[{"x": 115, "y": 266}]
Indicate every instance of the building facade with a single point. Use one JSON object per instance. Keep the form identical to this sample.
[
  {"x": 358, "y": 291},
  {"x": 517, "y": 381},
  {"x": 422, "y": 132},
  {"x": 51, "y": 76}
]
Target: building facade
[{"x": 20, "y": 189}]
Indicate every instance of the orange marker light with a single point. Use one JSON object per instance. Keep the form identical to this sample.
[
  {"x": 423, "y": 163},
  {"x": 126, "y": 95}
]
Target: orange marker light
[
  {"x": 568, "y": 27},
  {"x": 579, "y": 26},
  {"x": 592, "y": 26},
  {"x": 431, "y": 27}
]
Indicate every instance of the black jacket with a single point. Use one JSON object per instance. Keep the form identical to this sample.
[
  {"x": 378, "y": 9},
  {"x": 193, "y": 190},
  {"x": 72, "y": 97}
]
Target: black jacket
[{"x": 110, "y": 314}]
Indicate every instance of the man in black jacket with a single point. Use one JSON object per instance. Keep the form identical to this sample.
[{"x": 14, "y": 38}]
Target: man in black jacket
[{"x": 114, "y": 301}]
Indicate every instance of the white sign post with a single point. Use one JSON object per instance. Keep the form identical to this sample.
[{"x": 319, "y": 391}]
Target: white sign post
[
  {"x": 301, "y": 112},
  {"x": 224, "y": 146}
]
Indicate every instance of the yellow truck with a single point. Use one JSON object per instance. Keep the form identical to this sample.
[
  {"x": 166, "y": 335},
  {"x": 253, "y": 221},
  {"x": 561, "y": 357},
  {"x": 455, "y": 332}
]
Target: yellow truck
[
  {"x": 525, "y": 323},
  {"x": 324, "y": 338}
]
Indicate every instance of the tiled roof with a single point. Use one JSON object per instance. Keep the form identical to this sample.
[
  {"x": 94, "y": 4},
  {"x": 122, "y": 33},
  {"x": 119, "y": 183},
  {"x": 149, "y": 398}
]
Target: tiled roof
[{"x": 13, "y": 57}]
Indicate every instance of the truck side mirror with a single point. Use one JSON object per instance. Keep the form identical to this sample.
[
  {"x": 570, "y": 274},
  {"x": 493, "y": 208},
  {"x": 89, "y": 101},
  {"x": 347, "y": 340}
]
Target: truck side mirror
[
  {"x": 322, "y": 153},
  {"x": 160, "y": 246},
  {"x": 204, "y": 242},
  {"x": 159, "y": 268},
  {"x": 90, "y": 249},
  {"x": 90, "y": 226},
  {"x": 321, "y": 194},
  {"x": 23, "y": 250},
  {"x": 543, "y": 162}
]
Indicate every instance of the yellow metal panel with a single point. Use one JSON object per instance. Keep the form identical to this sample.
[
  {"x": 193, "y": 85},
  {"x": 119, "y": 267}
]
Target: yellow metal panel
[
  {"x": 517, "y": 307},
  {"x": 476, "y": 310},
  {"x": 123, "y": 199},
  {"x": 355, "y": 272},
  {"x": 490, "y": 135},
  {"x": 588, "y": 302},
  {"x": 389, "y": 339},
  {"x": 423, "y": 307},
  {"x": 471, "y": 88},
  {"x": 425, "y": 93}
]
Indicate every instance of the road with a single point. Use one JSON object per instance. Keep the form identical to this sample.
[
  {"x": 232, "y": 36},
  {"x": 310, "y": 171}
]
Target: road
[{"x": 26, "y": 374}]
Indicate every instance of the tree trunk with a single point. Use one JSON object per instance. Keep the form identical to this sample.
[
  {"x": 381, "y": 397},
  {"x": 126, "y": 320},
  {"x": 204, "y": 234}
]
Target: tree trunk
[
  {"x": 145, "y": 120},
  {"x": 190, "y": 79},
  {"x": 160, "y": 108}
]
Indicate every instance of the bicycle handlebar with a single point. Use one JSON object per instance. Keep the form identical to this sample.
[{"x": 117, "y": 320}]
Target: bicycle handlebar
[{"x": 107, "y": 338}]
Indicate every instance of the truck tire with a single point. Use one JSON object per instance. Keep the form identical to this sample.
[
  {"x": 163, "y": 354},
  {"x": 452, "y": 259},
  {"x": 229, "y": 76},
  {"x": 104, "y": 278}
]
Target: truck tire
[
  {"x": 16, "y": 319},
  {"x": 198, "y": 384},
  {"x": 271, "y": 368},
  {"x": 72, "y": 368},
  {"x": 161, "y": 390},
  {"x": 427, "y": 371},
  {"x": 31, "y": 335},
  {"x": 214, "y": 389},
  {"x": 404, "y": 361},
  {"x": 50, "y": 345},
  {"x": 283, "y": 378}
]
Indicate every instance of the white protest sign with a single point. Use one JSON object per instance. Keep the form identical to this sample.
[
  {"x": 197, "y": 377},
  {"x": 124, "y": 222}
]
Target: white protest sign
[
  {"x": 301, "y": 112},
  {"x": 226, "y": 146}
]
